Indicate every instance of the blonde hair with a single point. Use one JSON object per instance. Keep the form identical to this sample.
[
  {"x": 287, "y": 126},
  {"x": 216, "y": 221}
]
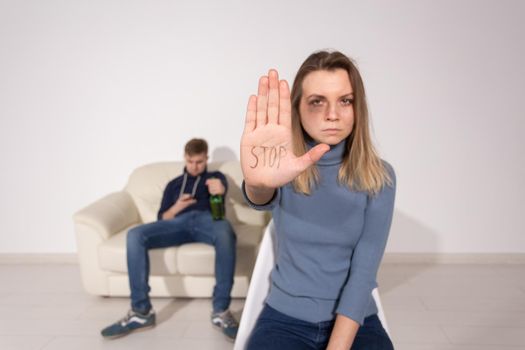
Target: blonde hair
[{"x": 361, "y": 169}]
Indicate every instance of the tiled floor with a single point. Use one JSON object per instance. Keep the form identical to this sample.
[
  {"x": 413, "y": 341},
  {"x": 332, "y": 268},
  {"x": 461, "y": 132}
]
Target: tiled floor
[{"x": 428, "y": 307}]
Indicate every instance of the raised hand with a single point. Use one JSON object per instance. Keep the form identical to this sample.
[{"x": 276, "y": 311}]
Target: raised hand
[{"x": 267, "y": 157}]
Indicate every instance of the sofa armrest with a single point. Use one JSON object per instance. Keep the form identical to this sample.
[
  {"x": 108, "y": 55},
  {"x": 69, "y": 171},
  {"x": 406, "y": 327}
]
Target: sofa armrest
[{"x": 109, "y": 214}]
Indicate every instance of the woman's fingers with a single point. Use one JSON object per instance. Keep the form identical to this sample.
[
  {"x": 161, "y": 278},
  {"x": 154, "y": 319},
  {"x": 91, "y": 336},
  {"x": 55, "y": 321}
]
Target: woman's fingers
[
  {"x": 285, "y": 106},
  {"x": 251, "y": 113},
  {"x": 312, "y": 156},
  {"x": 273, "y": 97},
  {"x": 262, "y": 102},
  {"x": 272, "y": 104}
]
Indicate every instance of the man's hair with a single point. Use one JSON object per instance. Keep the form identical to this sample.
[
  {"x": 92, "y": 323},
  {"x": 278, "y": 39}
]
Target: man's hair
[{"x": 196, "y": 146}]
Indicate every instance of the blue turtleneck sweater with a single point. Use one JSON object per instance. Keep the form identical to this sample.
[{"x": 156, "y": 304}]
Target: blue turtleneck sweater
[{"x": 329, "y": 245}]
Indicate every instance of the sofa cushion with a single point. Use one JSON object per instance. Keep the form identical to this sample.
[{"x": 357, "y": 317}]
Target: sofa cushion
[{"x": 196, "y": 259}]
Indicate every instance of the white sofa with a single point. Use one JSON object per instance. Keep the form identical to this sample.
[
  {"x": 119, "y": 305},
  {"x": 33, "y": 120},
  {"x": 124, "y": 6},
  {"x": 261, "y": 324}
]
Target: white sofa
[{"x": 185, "y": 271}]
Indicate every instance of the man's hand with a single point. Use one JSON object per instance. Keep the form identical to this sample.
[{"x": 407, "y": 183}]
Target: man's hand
[
  {"x": 215, "y": 187},
  {"x": 182, "y": 203}
]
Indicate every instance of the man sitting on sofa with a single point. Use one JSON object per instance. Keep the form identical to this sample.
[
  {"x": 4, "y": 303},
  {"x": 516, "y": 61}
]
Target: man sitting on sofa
[{"x": 184, "y": 216}]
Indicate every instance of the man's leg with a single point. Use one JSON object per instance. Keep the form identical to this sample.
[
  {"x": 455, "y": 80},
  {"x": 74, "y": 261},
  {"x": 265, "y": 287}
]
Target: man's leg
[
  {"x": 220, "y": 234},
  {"x": 139, "y": 240},
  {"x": 159, "y": 234}
]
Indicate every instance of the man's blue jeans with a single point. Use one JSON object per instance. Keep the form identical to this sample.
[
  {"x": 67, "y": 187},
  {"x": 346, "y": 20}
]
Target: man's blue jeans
[
  {"x": 193, "y": 226},
  {"x": 275, "y": 330}
]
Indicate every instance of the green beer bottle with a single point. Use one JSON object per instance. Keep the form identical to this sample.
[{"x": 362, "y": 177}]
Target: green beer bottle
[{"x": 217, "y": 207}]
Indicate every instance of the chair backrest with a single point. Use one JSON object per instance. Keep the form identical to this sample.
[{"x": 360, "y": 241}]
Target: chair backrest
[
  {"x": 260, "y": 286},
  {"x": 146, "y": 185}
]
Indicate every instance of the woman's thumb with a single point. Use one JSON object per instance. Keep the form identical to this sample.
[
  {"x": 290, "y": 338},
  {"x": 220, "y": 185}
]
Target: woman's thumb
[{"x": 313, "y": 155}]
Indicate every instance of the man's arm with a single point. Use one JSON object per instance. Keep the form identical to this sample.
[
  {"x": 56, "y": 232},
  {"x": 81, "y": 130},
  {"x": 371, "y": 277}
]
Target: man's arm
[
  {"x": 169, "y": 209},
  {"x": 182, "y": 203}
]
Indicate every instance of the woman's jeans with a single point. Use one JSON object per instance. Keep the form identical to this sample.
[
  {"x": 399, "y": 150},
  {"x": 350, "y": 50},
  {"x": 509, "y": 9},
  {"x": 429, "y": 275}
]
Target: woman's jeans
[
  {"x": 275, "y": 330},
  {"x": 193, "y": 226}
]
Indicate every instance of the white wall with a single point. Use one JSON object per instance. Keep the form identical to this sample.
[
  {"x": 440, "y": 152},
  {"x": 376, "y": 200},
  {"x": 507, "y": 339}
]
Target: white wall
[{"x": 89, "y": 90}]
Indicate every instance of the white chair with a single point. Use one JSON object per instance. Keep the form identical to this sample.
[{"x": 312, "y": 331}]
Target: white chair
[{"x": 260, "y": 286}]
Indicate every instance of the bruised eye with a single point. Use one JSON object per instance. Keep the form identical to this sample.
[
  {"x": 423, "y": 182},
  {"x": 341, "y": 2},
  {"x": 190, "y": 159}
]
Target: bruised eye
[
  {"x": 347, "y": 101},
  {"x": 315, "y": 102}
]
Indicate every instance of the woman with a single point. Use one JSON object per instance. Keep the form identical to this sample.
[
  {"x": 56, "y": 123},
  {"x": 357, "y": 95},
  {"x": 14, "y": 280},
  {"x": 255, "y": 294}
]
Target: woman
[{"x": 308, "y": 157}]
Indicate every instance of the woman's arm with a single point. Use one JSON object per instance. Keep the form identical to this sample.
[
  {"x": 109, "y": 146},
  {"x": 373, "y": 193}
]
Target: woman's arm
[
  {"x": 258, "y": 195},
  {"x": 368, "y": 252},
  {"x": 343, "y": 334}
]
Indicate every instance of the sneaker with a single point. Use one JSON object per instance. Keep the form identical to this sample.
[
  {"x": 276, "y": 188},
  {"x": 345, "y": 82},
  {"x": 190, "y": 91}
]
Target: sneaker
[
  {"x": 227, "y": 324},
  {"x": 133, "y": 321}
]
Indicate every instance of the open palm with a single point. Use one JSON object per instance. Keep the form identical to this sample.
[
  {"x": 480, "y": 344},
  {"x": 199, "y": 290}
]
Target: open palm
[{"x": 267, "y": 157}]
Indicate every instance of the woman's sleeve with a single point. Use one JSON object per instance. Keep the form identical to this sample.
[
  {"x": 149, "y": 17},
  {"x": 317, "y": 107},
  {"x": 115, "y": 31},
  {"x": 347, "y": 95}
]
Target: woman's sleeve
[
  {"x": 357, "y": 292},
  {"x": 268, "y": 206}
]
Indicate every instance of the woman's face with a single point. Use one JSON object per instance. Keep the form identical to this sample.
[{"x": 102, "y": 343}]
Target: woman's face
[{"x": 326, "y": 106}]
